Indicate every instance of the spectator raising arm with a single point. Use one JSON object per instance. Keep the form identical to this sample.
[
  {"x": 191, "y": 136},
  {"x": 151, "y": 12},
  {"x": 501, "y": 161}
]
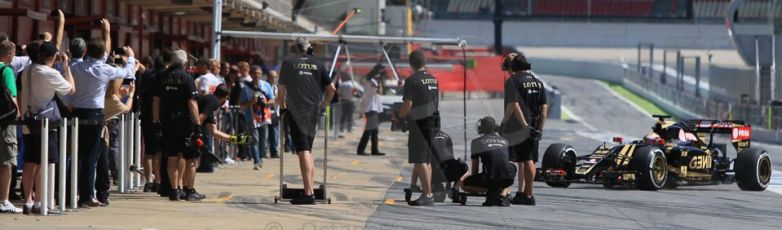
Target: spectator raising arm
[{"x": 59, "y": 32}]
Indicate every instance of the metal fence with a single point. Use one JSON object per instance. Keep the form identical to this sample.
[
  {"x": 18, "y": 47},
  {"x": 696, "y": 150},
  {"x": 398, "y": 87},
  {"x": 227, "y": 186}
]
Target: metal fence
[{"x": 679, "y": 79}]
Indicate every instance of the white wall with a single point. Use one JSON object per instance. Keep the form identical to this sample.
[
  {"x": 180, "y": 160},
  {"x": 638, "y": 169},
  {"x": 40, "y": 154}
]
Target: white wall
[{"x": 586, "y": 34}]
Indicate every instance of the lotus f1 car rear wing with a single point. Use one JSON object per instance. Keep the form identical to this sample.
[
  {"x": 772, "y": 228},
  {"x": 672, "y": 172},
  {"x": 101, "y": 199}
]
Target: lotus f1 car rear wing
[{"x": 739, "y": 131}]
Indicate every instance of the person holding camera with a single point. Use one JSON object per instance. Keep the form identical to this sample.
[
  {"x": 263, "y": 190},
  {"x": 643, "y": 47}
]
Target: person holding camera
[
  {"x": 92, "y": 76},
  {"x": 371, "y": 106},
  {"x": 40, "y": 82},
  {"x": 490, "y": 153},
  {"x": 420, "y": 110},
  {"x": 525, "y": 115},
  {"x": 303, "y": 82}
]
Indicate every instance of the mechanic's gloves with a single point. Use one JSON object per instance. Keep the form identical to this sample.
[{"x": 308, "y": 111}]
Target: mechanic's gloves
[
  {"x": 535, "y": 134},
  {"x": 240, "y": 139},
  {"x": 158, "y": 131}
]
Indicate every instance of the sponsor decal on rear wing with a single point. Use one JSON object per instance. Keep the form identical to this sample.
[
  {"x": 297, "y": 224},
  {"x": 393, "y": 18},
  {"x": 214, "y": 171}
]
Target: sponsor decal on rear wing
[{"x": 741, "y": 133}]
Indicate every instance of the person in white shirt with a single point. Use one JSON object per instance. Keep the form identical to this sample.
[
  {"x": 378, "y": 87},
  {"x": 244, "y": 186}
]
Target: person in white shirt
[
  {"x": 371, "y": 106},
  {"x": 207, "y": 82},
  {"x": 33, "y": 98},
  {"x": 346, "y": 91}
]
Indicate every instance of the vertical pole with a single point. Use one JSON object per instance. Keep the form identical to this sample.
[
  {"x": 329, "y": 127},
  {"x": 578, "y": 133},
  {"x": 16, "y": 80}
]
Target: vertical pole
[
  {"x": 697, "y": 76},
  {"x": 44, "y": 170},
  {"x": 129, "y": 150},
  {"x": 638, "y": 61},
  {"x": 122, "y": 181},
  {"x": 651, "y": 60},
  {"x": 665, "y": 67},
  {"x": 498, "y": 19},
  {"x": 137, "y": 146},
  {"x": 217, "y": 27},
  {"x": 63, "y": 162},
  {"x": 758, "y": 92},
  {"x": 51, "y": 179},
  {"x": 678, "y": 69},
  {"x": 464, "y": 98},
  {"x": 74, "y": 161}
]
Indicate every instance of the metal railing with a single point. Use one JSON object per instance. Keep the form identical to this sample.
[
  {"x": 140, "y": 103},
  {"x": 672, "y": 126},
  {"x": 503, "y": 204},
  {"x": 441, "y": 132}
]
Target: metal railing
[{"x": 683, "y": 85}]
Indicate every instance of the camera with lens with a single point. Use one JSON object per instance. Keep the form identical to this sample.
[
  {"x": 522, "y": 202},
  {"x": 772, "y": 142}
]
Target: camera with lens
[{"x": 399, "y": 124}]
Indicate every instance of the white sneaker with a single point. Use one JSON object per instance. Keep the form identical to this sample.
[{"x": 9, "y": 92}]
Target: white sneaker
[
  {"x": 229, "y": 161},
  {"x": 7, "y": 207}
]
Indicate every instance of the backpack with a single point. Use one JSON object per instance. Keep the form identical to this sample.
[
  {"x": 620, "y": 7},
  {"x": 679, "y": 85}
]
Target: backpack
[{"x": 8, "y": 109}]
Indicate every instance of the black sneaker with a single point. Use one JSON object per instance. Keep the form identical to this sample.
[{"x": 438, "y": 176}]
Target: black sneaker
[
  {"x": 175, "y": 195},
  {"x": 27, "y": 210},
  {"x": 503, "y": 202},
  {"x": 362, "y": 154},
  {"x": 522, "y": 199},
  {"x": 154, "y": 187},
  {"x": 192, "y": 195},
  {"x": 275, "y": 156},
  {"x": 199, "y": 195},
  {"x": 304, "y": 199},
  {"x": 182, "y": 194},
  {"x": 378, "y": 154},
  {"x": 148, "y": 187},
  {"x": 423, "y": 201}
]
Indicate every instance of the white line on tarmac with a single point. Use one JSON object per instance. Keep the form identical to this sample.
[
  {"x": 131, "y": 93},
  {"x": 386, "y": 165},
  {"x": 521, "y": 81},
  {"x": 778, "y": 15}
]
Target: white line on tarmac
[{"x": 776, "y": 182}]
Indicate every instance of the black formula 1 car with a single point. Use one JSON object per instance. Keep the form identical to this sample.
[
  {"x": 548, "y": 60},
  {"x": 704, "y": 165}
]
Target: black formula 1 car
[{"x": 672, "y": 154}]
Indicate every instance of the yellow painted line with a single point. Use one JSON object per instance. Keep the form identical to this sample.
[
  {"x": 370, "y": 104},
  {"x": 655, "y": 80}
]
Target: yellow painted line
[
  {"x": 337, "y": 176},
  {"x": 355, "y": 162},
  {"x": 224, "y": 199},
  {"x": 269, "y": 176},
  {"x": 399, "y": 178},
  {"x": 390, "y": 202}
]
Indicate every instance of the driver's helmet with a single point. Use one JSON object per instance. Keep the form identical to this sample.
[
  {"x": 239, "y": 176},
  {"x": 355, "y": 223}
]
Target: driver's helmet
[{"x": 651, "y": 138}]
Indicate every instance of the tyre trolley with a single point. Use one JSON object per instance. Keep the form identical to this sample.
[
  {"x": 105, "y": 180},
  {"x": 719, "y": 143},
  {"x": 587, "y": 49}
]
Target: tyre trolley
[{"x": 287, "y": 193}]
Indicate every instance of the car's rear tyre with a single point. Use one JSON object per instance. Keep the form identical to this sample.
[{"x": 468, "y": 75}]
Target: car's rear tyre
[
  {"x": 753, "y": 169},
  {"x": 559, "y": 156},
  {"x": 652, "y": 168}
]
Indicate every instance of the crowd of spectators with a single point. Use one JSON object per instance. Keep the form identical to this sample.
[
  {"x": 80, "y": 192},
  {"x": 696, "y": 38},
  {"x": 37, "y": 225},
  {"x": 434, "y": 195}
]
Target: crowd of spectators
[{"x": 95, "y": 82}]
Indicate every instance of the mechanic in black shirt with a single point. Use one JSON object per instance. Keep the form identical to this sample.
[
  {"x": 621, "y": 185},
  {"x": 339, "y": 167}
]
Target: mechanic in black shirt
[
  {"x": 151, "y": 133},
  {"x": 420, "y": 109},
  {"x": 174, "y": 107},
  {"x": 303, "y": 81},
  {"x": 497, "y": 174},
  {"x": 525, "y": 115},
  {"x": 207, "y": 106}
]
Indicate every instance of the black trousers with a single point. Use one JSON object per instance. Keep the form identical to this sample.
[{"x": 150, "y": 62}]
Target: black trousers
[
  {"x": 89, "y": 146},
  {"x": 370, "y": 132},
  {"x": 102, "y": 181}
]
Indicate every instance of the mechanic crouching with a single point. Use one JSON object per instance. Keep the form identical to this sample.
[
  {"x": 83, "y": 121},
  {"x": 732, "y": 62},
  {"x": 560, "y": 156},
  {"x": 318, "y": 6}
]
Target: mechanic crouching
[{"x": 498, "y": 173}]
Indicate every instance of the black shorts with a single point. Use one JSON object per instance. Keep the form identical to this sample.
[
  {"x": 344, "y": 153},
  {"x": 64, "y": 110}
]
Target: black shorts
[
  {"x": 481, "y": 182},
  {"x": 151, "y": 139},
  {"x": 32, "y": 148},
  {"x": 174, "y": 141},
  {"x": 419, "y": 141},
  {"x": 302, "y": 132},
  {"x": 526, "y": 151}
]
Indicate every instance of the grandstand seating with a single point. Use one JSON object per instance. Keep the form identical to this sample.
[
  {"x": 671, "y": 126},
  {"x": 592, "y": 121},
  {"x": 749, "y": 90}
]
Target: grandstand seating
[{"x": 716, "y": 9}]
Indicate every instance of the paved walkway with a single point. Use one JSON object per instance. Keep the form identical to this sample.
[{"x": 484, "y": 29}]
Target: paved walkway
[{"x": 241, "y": 198}]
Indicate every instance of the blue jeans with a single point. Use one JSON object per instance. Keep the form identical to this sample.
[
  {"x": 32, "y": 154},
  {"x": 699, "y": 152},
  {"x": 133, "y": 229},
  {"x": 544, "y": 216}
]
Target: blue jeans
[
  {"x": 274, "y": 136},
  {"x": 263, "y": 139},
  {"x": 256, "y": 152},
  {"x": 89, "y": 149}
]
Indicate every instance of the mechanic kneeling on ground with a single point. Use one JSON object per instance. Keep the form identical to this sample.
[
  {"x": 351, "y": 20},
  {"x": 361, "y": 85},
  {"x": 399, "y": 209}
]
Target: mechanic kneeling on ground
[{"x": 498, "y": 173}]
